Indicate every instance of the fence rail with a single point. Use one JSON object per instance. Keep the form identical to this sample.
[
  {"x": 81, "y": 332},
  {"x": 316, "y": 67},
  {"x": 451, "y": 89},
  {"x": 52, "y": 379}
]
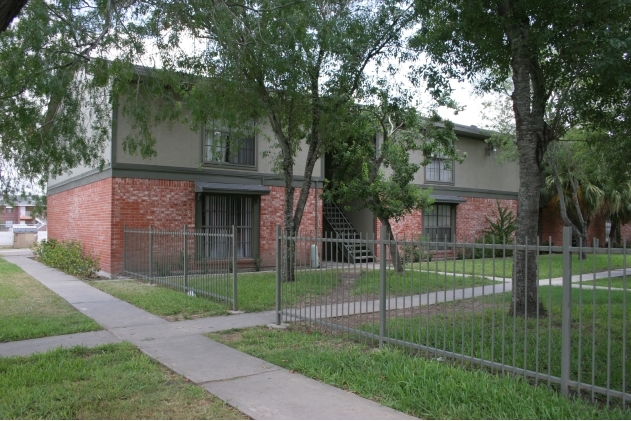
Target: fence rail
[
  {"x": 576, "y": 338},
  {"x": 201, "y": 263}
]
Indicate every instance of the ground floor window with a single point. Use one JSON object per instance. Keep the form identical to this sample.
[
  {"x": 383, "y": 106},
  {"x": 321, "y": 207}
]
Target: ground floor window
[
  {"x": 438, "y": 223},
  {"x": 219, "y": 214}
]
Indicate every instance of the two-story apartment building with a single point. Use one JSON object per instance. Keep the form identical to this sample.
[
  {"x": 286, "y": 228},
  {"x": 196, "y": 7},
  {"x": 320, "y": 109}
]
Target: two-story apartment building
[
  {"x": 464, "y": 193},
  {"x": 17, "y": 213},
  {"x": 194, "y": 180}
]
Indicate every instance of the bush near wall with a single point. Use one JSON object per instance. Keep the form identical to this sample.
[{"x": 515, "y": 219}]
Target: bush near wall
[{"x": 67, "y": 256}]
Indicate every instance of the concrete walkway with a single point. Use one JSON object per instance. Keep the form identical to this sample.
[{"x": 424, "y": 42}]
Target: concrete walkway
[{"x": 257, "y": 388}]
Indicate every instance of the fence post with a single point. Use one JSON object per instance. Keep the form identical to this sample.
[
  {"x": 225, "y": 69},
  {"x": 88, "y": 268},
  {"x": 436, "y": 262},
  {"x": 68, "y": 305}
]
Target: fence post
[
  {"x": 150, "y": 254},
  {"x": 566, "y": 311},
  {"x": 124, "y": 248},
  {"x": 234, "y": 268},
  {"x": 278, "y": 274},
  {"x": 185, "y": 260},
  {"x": 382, "y": 284}
]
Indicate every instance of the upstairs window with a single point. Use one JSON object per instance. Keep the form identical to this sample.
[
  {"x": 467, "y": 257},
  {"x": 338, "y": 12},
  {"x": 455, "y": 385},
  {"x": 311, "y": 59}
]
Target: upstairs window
[
  {"x": 439, "y": 170},
  {"x": 222, "y": 145}
]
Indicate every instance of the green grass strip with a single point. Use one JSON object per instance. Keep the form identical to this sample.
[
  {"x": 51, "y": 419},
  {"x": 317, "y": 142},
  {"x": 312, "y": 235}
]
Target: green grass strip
[
  {"x": 414, "y": 385},
  {"x": 29, "y": 310},
  {"x": 615, "y": 282},
  {"x": 548, "y": 265},
  {"x": 108, "y": 382}
]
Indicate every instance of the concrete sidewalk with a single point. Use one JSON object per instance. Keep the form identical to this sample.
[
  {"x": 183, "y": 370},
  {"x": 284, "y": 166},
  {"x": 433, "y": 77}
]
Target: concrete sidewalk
[{"x": 257, "y": 388}]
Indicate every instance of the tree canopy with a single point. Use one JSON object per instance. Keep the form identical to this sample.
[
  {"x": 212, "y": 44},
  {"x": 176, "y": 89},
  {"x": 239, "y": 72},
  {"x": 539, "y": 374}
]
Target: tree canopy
[
  {"x": 556, "y": 53},
  {"x": 54, "y": 87}
]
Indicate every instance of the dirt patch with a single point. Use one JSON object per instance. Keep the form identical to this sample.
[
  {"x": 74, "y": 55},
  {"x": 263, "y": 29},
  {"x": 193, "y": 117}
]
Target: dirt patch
[
  {"x": 343, "y": 292},
  {"x": 181, "y": 317}
]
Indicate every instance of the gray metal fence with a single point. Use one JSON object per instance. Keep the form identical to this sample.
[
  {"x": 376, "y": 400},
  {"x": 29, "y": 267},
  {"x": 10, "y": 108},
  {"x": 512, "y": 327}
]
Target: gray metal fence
[
  {"x": 458, "y": 308},
  {"x": 201, "y": 263}
]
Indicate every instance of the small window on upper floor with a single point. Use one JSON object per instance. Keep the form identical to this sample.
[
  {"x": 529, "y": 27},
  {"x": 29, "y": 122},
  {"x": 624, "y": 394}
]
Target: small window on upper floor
[
  {"x": 440, "y": 170},
  {"x": 220, "y": 145}
]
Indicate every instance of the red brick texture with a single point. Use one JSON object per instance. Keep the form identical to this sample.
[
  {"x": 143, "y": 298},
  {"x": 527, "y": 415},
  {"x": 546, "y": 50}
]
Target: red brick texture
[
  {"x": 140, "y": 202},
  {"x": 552, "y": 227},
  {"x": 84, "y": 214},
  {"x": 470, "y": 220},
  {"x": 95, "y": 215},
  {"x": 471, "y": 216},
  {"x": 272, "y": 210}
]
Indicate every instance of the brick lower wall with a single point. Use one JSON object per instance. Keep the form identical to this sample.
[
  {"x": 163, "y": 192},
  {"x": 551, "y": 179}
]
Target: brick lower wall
[
  {"x": 96, "y": 214},
  {"x": 272, "y": 211},
  {"x": 552, "y": 227},
  {"x": 471, "y": 216},
  {"x": 470, "y": 220},
  {"x": 84, "y": 214},
  {"x": 140, "y": 203}
]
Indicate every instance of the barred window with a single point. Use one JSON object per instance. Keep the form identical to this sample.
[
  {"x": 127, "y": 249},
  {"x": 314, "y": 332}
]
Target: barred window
[
  {"x": 219, "y": 214},
  {"x": 439, "y": 170},
  {"x": 437, "y": 223},
  {"x": 221, "y": 147}
]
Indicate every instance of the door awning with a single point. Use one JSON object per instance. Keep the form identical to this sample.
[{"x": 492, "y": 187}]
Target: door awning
[
  {"x": 230, "y": 188},
  {"x": 439, "y": 198}
]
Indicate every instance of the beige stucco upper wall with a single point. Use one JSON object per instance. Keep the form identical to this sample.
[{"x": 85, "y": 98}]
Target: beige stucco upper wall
[
  {"x": 87, "y": 127},
  {"x": 483, "y": 171},
  {"x": 180, "y": 146},
  {"x": 478, "y": 171}
]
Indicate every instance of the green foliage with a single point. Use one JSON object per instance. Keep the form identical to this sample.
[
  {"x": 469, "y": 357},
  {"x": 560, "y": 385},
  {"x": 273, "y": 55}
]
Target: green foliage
[
  {"x": 29, "y": 310},
  {"x": 502, "y": 228},
  {"x": 378, "y": 171},
  {"x": 67, "y": 256},
  {"x": 114, "y": 381},
  {"x": 413, "y": 254},
  {"x": 54, "y": 84},
  {"x": 421, "y": 387}
]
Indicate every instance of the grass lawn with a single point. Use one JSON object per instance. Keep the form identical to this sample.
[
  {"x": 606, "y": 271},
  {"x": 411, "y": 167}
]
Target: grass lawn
[
  {"x": 615, "y": 282},
  {"x": 29, "y": 310},
  {"x": 257, "y": 291},
  {"x": 420, "y": 387},
  {"x": 492, "y": 334},
  {"x": 163, "y": 302},
  {"x": 109, "y": 382},
  {"x": 550, "y": 265},
  {"x": 414, "y": 282}
]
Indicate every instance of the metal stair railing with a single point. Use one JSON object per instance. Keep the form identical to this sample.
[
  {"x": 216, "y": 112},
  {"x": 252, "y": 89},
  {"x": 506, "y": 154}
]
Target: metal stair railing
[{"x": 344, "y": 229}]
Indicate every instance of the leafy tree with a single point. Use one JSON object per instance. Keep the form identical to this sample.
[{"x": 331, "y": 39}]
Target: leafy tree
[
  {"x": 54, "y": 87},
  {"x": 377, "y": 170},
  {"x": 299, "y": 65},
  {"x": 554, "y": 52},
  {"x": 574, "y": 182}
]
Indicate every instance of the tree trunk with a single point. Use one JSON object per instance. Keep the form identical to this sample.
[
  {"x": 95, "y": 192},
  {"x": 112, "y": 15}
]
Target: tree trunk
[
  {"x": 529, "y": 108},
  {"x": 394, "y": 250},
  {"x": 9, "y": 9},
  {"x": 615, "y": 235}
]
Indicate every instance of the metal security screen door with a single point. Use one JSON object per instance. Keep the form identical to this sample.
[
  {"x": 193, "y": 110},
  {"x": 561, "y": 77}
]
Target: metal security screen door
[
  {"x": 437, "y": 223},
  {"x": 219, "y": 214}
]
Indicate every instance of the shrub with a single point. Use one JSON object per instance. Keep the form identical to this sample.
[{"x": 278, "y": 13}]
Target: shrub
[
  {"x": 67, "y": 256},
  {"x": 413, "y": 254},
  {"x": 503, "y": 228}
]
